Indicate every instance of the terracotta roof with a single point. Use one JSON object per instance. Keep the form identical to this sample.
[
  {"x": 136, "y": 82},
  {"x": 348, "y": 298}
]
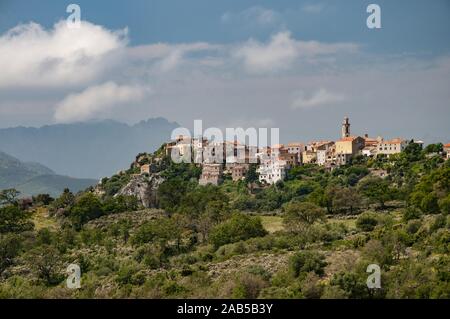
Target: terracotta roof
[
  {"x": 320, "y": 142},
  {"x": 295, "y": 144},
  {"x": 393, "y": 141},
  {"x": 447, "y": 145},
  {"x": 347, "y": 139}
]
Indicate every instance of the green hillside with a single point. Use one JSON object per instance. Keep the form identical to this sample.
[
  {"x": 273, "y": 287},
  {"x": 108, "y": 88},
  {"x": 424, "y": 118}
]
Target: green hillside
[
  {"x": 14, "y": 172},
  {"x": 34, "y": 178},
  {"x": 311, "y": 236}
]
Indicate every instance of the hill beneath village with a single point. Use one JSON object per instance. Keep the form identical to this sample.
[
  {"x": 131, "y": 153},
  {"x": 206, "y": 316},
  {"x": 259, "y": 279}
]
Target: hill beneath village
[{"x": 312, "y": 235}]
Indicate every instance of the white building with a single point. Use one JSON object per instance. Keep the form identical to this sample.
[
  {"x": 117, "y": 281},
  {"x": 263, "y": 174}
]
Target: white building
[
  {"x": 271, "y": 171},
  {"x": 369, "y": 151},
  {"x": 321, "y": 157}
]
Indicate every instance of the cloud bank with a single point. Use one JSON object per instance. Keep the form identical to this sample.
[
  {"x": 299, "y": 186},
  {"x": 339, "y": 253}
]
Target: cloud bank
[
  {"x": 52, "y": 75},
  {"x": 96, "y": 100},
  {"x": 282, "y": 50},
  {"x": 62, "y": 56}
]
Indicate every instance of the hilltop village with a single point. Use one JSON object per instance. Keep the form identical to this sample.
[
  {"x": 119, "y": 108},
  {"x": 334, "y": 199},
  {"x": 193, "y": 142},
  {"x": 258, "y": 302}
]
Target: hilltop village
[
  {"x": 310, "y": 229},
  {"x": 234, "y": 158}
]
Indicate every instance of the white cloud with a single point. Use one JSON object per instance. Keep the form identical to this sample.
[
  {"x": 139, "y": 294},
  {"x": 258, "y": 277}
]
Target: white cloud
[
  {"x": 34, "y": 57},
  {"x": 95, "y": 101},
  {"x": 282, "y": 50},
  {"x": 212, "y": 82},
  {"x": 169, "y": 56},
  {"x": 275, "y": 55},
  {"x": 317, "y": 98}
]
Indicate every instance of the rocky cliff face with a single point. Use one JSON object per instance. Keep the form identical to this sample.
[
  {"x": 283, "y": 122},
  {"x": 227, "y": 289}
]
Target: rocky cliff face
[{"x": 144, "y": 187}]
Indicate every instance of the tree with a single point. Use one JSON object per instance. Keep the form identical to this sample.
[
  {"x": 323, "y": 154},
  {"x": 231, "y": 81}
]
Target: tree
[
  {"x": 45, "y": 260},
  {"x": 9, "y": 196},
  {"x": 121, "y": 203},
  {"x": 66, "y": 200},
  {"x": 238, "y": 227},
  {"x": 170, "y": 194},
  {"x": 252, "y": 176},
  {"x": 429, "y": 204},
  {"x": 412, "y": 152},
  {"x": 13, "y": 219},
  {"x": 43, "y": 199},
  {"x": 159, "y": 231},
  {"x": 87, "y": 207},
  {"x": 215, "y": 212},
  {"x": 351, "y": 283},
  {"x": 345, "y": 199},
  {"x": 194, "y": 202},
  {"x": 376, "y": 189},
  {"x": 300, "y": 215},
  {"x": 434, "y": 148},
  {"x": 10, "y": 246}
]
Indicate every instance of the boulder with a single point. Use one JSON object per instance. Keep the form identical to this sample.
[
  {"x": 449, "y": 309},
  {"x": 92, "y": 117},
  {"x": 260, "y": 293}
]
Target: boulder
[{"x": 145, "y": 188}]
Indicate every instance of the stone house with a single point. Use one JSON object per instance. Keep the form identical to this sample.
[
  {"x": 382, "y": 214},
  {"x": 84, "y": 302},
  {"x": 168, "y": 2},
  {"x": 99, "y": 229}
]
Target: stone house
[
  {"x": 211, "y": 174},
  {"x": 389, "y": 147},
  {"x": 447, "y": 150}
]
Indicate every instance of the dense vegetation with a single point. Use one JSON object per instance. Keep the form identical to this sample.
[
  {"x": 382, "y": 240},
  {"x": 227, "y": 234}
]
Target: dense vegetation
[{"x": 311, "y": 236}]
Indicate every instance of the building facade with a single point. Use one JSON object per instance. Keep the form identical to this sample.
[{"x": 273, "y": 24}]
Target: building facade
[
  {"x": 271, "y": 171},
  {"x": 211, "y": 174},
  {"x": 447, "y": 150},
  {"x": 389, "y": 147}
]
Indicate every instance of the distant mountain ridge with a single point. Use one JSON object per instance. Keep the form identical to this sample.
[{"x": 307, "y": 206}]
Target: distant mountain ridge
[
  {"x": 54, "y": 185},
  {"x": 34, "y": 178},
  {"x": 15, "y": 172},
  {"x": 88, "y": 149}
]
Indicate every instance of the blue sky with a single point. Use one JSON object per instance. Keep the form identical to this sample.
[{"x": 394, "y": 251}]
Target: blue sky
[
  {"x": 408, "y": 25},
  {"x": 300, "y": 65}
]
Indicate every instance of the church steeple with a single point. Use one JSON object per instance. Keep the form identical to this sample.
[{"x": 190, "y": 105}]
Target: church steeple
[{"x": 345, "y": 127}]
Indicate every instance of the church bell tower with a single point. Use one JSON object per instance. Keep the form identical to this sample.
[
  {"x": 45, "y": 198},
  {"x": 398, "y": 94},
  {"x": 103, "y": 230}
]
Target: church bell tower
[{"x": 345, "y": 128}]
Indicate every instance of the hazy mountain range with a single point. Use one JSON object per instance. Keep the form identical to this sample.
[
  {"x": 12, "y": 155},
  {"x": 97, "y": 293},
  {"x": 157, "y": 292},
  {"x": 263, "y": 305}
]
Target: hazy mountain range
[
  {"x": 33, "y": 178},
  {"x": 85, "y": 150}
]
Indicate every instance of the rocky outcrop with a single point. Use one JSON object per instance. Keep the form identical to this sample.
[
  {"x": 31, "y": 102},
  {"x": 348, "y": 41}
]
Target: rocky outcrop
[{"x": 144, "y": 187}]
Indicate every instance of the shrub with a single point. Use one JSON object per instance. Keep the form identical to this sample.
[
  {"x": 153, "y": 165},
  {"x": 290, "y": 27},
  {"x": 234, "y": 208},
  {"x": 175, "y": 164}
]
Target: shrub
[
  {"x": 238, "y": 227},
  {"x": 440, "y": 221},
  {"x": 413, "y": 226},
  {"x": 307, "y": 261},
  {"x": 45, "y": 260},
  {"x": 444, "y": 205},
  {"x": 367, "y": 221},
  {"x": 351, "y": 284},
  {"x": 248, "y": 286},
  {"x": 10, "y": 246},
  {"x": 411, "y": 213},
  {"x": 157, "y": 231},
  {"x": 301, "y": 215},
  {"x": 311, "y": 287},
  {"x": 87, "y": 207},
  {"x": 430, "y": 204},
  {"x": 14, "y": 220}
]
